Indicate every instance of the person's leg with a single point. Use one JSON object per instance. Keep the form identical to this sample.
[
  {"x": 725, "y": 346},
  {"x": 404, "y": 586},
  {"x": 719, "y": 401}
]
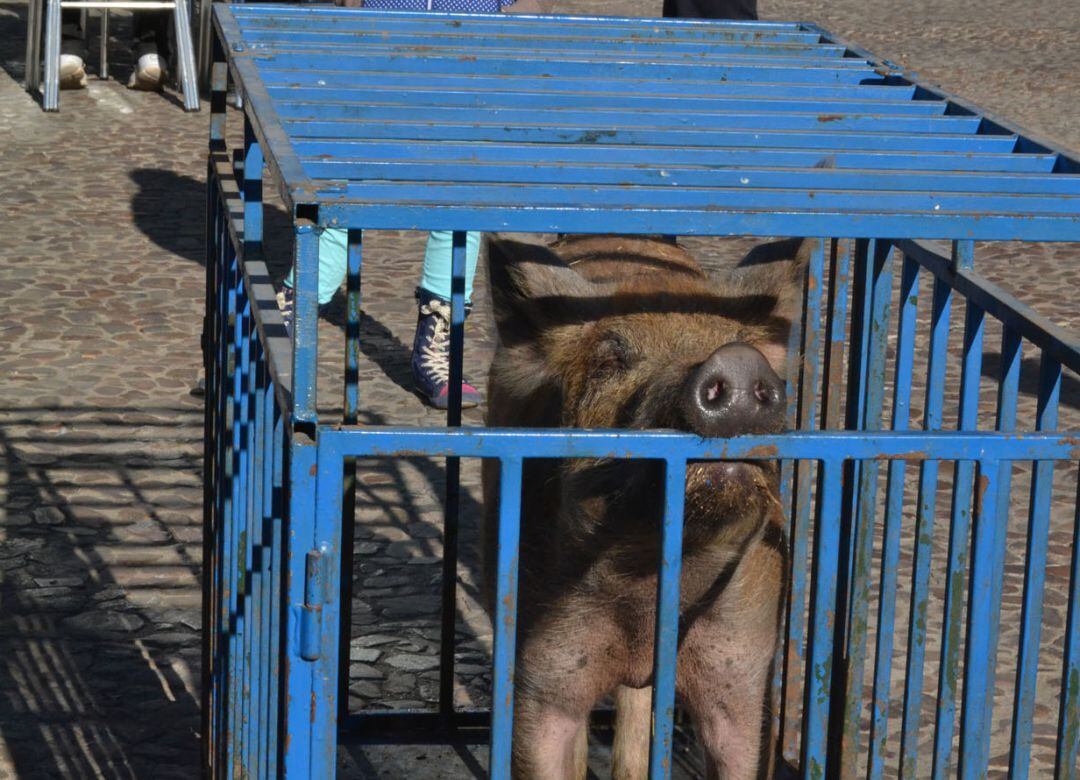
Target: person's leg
[
  {"x": 711, "y": 9},
  {"x": 333, "y": 266},
  {"x": 431, "y": 344},
  {"x": 435, "y": 276},
  {"x": 151, "y": 49}
]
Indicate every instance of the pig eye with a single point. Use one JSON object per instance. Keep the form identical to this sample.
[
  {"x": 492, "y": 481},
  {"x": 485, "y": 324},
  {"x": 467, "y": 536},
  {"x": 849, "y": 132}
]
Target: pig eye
[{"x": 612, "y": 356}]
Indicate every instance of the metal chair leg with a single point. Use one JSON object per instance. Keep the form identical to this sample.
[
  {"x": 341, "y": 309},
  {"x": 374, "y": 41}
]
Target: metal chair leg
[
  {"x": 185, "y": 56},
  {"x": 32, "y": 75},
  {"x": 205, "y": 9},
  {"x": 104, "y": 69},
  {"x": 51, "y": 101}
]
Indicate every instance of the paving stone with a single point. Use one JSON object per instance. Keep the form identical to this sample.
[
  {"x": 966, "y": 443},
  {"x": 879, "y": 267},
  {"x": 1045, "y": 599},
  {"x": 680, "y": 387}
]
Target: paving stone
[
  {"x": 373, "y": 640},
  {"x": 48, "y": 515},
  {"x": 366, "y": 654},
  {"x": 414, "y": 549},
  {"x": 401, "y": 683},
  {"x": 104, "y": 622},
  {"x": 13, "y": 519},
  {"x": 49, "y": 600},
  {"x": 59, "y": 582},
  {"x": 364, "y": 671},
  {"x": 404, "y": 704},
  {"x": 413, "y": 663},
  {"x": 109, "y": 593},
  {"x": 424, "y": 531},
  {"x": 19, "y": 546},
  {"x": 365, "y": 689},
  {"x": 191, "y": 618},
  {"x": 409, "y": 606},
  {"x": 171, "y": 639},
  {"x": 470, "y": 669}
]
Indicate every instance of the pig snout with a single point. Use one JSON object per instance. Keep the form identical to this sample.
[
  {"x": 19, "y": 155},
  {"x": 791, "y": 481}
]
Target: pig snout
[{"x": 734, "y": 391}]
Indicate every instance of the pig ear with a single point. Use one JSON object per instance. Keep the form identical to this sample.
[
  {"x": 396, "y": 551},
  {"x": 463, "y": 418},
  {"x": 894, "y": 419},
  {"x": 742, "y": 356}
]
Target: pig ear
[
  {"x": 778, "y": 270},
  {"x": 791, "y": 284},
  {"x": 534, "y": 290}
]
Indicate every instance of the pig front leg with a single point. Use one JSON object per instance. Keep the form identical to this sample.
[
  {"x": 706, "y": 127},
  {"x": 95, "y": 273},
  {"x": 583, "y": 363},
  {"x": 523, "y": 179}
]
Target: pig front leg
[
  {"x": 731, "y": 732},
  {"x": 567, "y": 661},
  {"x": 725, "y": 671}
]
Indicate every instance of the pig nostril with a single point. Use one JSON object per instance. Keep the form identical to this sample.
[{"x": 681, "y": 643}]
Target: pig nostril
[
  {"x": 762, "y": 392},
  {"x": 715, "y": 390}
]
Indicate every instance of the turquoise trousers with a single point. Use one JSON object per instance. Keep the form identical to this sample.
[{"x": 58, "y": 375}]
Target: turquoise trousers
[{"x": 434, "y": 277}]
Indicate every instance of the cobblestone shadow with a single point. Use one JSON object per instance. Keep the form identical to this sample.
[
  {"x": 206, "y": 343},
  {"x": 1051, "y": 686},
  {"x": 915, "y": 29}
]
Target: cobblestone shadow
[
  {"x": 99, "y": 646},
  {"x": 163, "y": 202}
]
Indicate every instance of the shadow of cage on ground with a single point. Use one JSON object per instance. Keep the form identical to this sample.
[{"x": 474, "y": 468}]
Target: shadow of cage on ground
[
  {"x": 101, "y": 592},
  {"x": 99, "y": 645}
]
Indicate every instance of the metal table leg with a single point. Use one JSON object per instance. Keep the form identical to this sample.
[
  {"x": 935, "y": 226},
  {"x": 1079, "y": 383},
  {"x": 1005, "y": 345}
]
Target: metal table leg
[
  {"x": 185, "y": 56},
  {"x": 205, "y": 9},
  {"x": 33, "y": 45},
  {"x": 104, "y": 69},
  {"x": 51, "y": 100}
]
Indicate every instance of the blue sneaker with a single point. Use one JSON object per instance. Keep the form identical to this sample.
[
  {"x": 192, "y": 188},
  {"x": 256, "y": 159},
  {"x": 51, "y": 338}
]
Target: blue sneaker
[
  {"x": 286, "y": 301},
  {"x": 431, "y": 354}
]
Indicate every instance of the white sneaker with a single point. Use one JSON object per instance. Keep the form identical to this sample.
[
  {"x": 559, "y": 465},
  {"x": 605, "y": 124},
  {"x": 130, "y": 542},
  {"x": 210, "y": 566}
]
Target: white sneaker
[
  {"x": 149, "y": 73},
  {"x": 72, "y": 72}
]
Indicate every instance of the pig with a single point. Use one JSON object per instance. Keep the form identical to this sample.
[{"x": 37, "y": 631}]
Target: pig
[{"x": 618, "y": 332}]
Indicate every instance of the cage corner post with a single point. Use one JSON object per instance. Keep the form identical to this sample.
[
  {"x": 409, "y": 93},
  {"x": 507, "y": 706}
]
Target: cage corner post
[{"x": 312, "y": 543}]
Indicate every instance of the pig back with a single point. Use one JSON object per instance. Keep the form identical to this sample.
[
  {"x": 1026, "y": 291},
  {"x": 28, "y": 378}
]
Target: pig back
[{"x": 614, "y": 258}]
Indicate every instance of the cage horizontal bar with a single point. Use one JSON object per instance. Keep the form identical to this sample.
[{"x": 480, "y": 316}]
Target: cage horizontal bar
[
  {"x": 539, "y": 67},
  {"x": 700, "y": 222},
  {"x": 400, "y": 442},
  {"x": 675, "y": 136},
  {"x": 376, "y": 169},
  {"x": 462, "y": 52},
  {"x": 652, "y": 156},
  {"x": 612, "y": 197},
  {"x": 379, "y": 95},
  {"x": 557, "y": 85},
  {"x": 740, "y": 119},
  {"x": 331, "y": 36}
]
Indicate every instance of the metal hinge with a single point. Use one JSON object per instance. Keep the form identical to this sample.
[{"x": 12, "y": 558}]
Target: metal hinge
[{"x": 315, "y": 580}]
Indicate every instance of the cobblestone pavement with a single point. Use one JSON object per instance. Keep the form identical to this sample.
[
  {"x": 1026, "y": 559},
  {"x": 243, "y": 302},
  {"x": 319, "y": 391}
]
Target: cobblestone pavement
[{"x": 100, "y": 443}]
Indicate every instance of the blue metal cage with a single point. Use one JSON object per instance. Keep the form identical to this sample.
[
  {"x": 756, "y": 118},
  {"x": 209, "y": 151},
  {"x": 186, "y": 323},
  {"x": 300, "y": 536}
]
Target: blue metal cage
[{"x": 371, "y": 120}]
